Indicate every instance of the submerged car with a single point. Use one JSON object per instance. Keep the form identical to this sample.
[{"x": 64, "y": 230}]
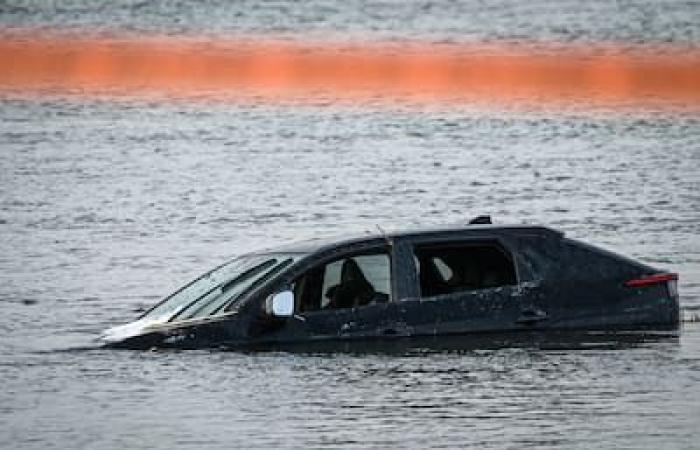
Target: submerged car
[{"x": 466, "y": 280}]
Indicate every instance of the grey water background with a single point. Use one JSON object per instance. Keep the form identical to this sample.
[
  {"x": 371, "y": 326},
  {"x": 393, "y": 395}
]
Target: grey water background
[{"x": 107, "y": 206}]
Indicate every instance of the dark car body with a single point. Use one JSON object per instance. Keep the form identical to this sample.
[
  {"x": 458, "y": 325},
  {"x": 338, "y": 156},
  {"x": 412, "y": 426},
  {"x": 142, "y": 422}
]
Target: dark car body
[{"x": 467, "y": 280}]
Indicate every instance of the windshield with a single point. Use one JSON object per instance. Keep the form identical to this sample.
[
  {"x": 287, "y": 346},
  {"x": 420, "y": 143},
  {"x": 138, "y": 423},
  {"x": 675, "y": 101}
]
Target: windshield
[{"x": 213, "y": 291}]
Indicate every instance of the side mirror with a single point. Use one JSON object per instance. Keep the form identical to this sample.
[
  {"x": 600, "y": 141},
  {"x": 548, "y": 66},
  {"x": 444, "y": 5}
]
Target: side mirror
[{"x": 280, "y": 304}]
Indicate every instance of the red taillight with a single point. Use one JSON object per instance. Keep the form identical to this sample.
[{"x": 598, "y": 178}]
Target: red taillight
[{"x": 651, "y": 279}]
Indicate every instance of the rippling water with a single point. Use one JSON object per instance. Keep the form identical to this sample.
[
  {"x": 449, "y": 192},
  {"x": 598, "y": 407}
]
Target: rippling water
[{"x": 106, "y": 206}]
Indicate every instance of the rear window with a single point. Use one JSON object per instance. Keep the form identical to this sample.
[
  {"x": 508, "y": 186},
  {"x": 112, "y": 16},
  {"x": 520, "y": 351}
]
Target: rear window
[
  {"x": 589, "y": 262},
  {"x": 447, "y": 269}
]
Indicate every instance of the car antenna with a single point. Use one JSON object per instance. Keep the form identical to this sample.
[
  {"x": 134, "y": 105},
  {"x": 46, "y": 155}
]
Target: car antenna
[
  {"x": 383, "y": 233},
  {"x": 481, "y": 220}
]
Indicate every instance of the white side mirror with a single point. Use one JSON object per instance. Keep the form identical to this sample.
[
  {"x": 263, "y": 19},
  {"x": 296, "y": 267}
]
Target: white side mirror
[{"x": 280, "y": 304}]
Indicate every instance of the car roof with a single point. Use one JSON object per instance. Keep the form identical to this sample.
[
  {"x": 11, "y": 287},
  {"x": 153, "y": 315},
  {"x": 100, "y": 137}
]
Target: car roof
[{"x": 318, "y": 244}]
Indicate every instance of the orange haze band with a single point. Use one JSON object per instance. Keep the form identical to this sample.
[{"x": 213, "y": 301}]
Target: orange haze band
[{"x": 241, "y": 68}]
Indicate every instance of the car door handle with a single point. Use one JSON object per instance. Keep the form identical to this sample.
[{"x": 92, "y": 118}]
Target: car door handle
[{"x": 531, "y": 316}]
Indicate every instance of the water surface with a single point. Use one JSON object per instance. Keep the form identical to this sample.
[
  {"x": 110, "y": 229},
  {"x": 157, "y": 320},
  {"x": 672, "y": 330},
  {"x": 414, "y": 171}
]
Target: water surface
[{"x": 106, "y": 206}]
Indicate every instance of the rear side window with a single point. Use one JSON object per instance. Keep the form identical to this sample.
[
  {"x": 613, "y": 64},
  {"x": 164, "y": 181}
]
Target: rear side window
[{"x": 450, "y": 268}]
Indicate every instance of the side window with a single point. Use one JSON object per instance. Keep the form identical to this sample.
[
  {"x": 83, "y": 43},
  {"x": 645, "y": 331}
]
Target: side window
[
  {"x": 446, "y": 269},
  {"x": 347, "y": 282}
]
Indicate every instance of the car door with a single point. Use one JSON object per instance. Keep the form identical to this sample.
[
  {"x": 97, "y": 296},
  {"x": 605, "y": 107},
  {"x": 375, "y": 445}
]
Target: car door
[
  {"x": 342, "y": 296},
  {"x": 469, "y": 285}
]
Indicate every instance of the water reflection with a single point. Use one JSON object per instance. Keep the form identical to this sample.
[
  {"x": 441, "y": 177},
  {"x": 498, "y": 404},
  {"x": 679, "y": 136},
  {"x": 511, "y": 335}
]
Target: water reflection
[{"x": 416, "y": 346}]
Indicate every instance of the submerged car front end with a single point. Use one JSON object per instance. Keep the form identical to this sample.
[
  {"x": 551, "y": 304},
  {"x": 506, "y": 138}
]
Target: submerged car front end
[
  {"x": 205, "y": 312},
  {"x": 199, "y": 333}
]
